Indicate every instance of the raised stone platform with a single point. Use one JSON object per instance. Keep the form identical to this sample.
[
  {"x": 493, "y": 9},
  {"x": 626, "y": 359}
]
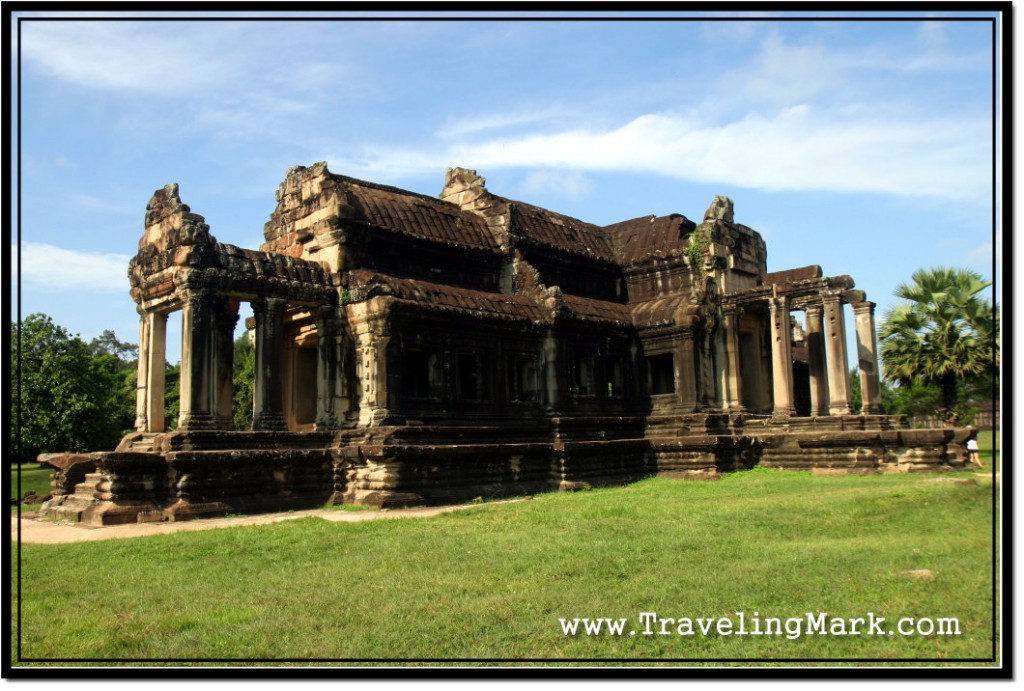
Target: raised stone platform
[{"x": 207, "y": 474}]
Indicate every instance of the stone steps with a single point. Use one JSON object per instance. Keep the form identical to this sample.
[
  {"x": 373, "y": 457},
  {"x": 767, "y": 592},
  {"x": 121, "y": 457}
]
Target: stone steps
[
  {"x": 69, "y": 507},
  {"x": 145, "y": 442}
]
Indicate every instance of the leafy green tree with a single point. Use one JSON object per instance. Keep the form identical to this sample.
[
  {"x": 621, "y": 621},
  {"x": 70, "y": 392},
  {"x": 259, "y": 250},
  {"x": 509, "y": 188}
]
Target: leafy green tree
[
  {"x": 244, "y": 380},
  {"x": 108, "y": 344},
  {"x": 65, "y": 398},
  {"x": 943, "y": 333},
  {"x": 856, "y": 395},
  {"x": 916, "y": 398},
  {"x": 172, "y": 396}
]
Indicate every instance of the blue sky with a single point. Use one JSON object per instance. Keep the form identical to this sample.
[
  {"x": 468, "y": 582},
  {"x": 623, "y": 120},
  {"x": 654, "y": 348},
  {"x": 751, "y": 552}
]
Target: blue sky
[{"x": 864, "y": 146}]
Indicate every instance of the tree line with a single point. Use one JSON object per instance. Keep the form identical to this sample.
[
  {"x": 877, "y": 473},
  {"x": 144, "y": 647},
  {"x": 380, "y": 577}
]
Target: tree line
[
  {"x": 939, "y": 348},
  {"x": 70, "y": 395}
]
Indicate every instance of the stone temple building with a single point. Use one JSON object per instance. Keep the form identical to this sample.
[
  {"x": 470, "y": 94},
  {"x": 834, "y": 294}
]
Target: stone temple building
[{"x": 412, "y": 350}]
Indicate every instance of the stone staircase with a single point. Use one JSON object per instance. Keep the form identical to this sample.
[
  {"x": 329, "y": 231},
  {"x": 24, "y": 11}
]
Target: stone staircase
[
  {"x": 145, "y": 442},
  {"x": 69, "y": 507}
]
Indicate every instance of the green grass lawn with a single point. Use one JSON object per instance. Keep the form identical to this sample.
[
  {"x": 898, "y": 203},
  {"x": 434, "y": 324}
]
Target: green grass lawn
[{"x": 493, "y": 582}]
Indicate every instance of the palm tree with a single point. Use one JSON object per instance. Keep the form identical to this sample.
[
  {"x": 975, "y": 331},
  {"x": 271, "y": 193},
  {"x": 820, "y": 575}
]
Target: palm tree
[{"x": 945, "y": 331}]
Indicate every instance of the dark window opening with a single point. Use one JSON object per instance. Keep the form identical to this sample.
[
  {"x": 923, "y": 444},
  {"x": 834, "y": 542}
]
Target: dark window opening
[
  {"x": 521, "y": 375},
  {"x": 421, "y": 377},
  {"x": 304, "y": 383},
  {"x": 661, "y": 374},
  {"x": 583, "y": 374},
  {"x": 474, "y": 377},
  {"x": 615, "y": 379}
]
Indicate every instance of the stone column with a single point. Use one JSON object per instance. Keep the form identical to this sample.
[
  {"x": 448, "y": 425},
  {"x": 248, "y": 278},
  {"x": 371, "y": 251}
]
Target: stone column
[
  {"x": 816, "y": 360},
  {"x": 372, "y": 354},
  {"x": 551, "y": 389},
  {"x": 149, "y": 392},
  {"x": 142, "y": 380},
  {"x": 223, "y": 363},
  {"x": 867, "y": 357},
  {"x": 267, "y": 405},
  {"x": 347, "y": 383},
  {"x": 782, "y": 357},
  {"x": 196, "y": 383},
  {"x": 733, "y": 378},
  {"x": 156, "y": 375},
  {"x": 835, "y": 349},
  {"x": 686, "y": 365},
  {"x": 326, "y": 368}
]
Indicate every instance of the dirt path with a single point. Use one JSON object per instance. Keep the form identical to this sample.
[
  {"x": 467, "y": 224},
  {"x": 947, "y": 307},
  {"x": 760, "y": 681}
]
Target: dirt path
[{"x": 42, "y": 532}]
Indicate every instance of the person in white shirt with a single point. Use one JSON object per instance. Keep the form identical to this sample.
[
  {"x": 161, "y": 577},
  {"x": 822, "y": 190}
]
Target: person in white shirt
[{"x": 973, "y": 455}]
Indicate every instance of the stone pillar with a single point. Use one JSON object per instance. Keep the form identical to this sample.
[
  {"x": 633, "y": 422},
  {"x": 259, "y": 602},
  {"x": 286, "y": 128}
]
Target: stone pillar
[
  {"x": 196, "y": 383},
  {"x": 867, "y": 357},
  {"x": 835, "y": 349},
  {"x": 709, "y": 391},
  {"x": 326, "y": 368},
  {"x": 372, "y": 376},
  {"x": 733, "y": 384},
  {"x": 816, "y": 360},
  {"x": 223, "y": 363},
  {"x": 380, "y": 356},
  {"x": 267, "y": 405},
  {"x": 156, "y": 375},
  {"x": 142, "y": 380},
  {"x": 687, "y": 367},
  {"x": 550, "y": 360},
  {"x": 346, "y": 382},
  {"x": 149, "y": 392},
  {"x": 782, "y": 357}
]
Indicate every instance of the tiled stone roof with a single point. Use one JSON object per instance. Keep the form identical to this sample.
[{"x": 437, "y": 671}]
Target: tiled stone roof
[
  {"x": 549, "y": 229},
  {"x": 364, "y": 284},
  {"x": 640, "y": 238},
  {"x": 588, "y": 309},
  {"x": 415, "y": 215}
]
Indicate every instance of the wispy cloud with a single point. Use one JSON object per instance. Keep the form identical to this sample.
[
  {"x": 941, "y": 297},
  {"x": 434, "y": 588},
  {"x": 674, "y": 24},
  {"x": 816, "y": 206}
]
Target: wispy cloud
[
  {"x": 227, "y": 81},
  {"x": 781, "y": 74},
  {"x": 795, "y": 149},
  {"x": 556, "y": 183},
  {"x": 147, "y": 57},
  {"x": 797, "y": 114},
  {"x": 50, "y": 268},
  {"x": 99, "y": 204},
  {"x": 465, "y": 126}
]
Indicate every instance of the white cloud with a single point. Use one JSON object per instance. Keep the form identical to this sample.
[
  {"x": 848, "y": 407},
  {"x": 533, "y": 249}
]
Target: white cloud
[
  {"x": 782, "y": 73},
  {"x": 51, "y": 268},
  {"x": 795, "y": 149},
  {"x": 467, "y": 125},
  {"x": 145, "y": 57}
]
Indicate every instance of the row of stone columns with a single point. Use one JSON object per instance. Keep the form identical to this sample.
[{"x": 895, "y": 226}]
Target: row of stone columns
[
  {"x": 827, "y": 357},
  {"x": 207, "y": 364}
]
